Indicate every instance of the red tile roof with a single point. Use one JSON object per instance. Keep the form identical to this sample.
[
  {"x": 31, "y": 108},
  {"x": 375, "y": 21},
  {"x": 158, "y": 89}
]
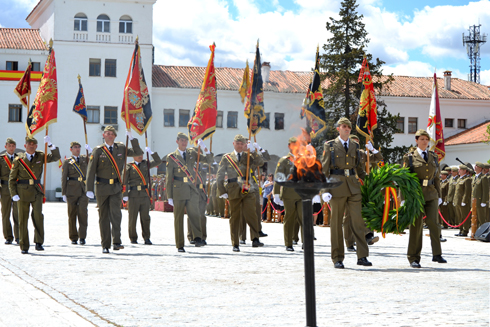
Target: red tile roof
[
  {"x": 473, "y": 135},
  {"x": 21, "y": 38}
]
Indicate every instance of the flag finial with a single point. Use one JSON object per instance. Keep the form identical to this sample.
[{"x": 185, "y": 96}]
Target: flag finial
[
  {"x": 257, "y": 43},
  {"x": 50, "y": 44},
  {"x": 78, "y": 78}
]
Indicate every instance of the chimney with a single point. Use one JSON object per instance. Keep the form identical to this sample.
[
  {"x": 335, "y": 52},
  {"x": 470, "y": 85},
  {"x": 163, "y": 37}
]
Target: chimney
[
  {"x": 266, "y": 69},
  {"x": 447, "y": 80}
]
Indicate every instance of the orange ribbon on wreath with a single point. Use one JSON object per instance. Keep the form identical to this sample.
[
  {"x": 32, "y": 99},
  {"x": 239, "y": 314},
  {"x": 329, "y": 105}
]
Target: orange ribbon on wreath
[{"x": 386, "y": 210}]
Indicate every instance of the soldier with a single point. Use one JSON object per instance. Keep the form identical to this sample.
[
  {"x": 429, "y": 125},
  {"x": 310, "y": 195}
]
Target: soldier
[
  {"x": 73, "y": 188},
  {"x": 182, "y": 192},
  {"x": 453, "y": 180},
  {"x": 486, "y": 172},
  {"x": 137, "y": 195},
  {"x": 203, "y": 200},
  {"x": 462, "y": 200},
  {"x": 443, "y": 207},
  {"x": 480, "y": 193},
  {"x": 105, "y": 167},
  {"x": 6, "y": 163},
  {"x": 241, "y": 196},
  {"x": 25, "y": 187},
  {"x": 341, "y": 158}
]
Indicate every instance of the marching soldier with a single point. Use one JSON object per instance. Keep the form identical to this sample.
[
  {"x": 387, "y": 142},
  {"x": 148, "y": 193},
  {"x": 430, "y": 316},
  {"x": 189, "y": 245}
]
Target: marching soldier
[
  {"x": 104, "y": 169},
  {"x": 137, "y": 195},
  {"x": 203, "y": 200},
  {"x": 25, "y": 187},
  {"x": 6, "y": 163},
  {"x": 73, "y": 188},
  {"x": 240, "y": 196},
  {"x": 453, "y": 180},
  {"x": 480, "y": 193},
  {"x": 341, "y": 158},
  {"x": 444, "y": 190},
  {"x": 462, "y": 200}
]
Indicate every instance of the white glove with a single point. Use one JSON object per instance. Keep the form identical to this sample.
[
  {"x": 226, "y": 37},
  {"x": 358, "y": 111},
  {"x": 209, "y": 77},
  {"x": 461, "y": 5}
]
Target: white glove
[
  {"x": 47, "y": 139},
  {"x": 202, "y": 145},
  {"x": 463, "y": 204},
  {"x": 125, "y": 198},
  {"x": 440, "y": 201},
  {"x": 64, "y": 198},
  {"x": 277, "y": 199},
  {"x": 316, "y": 199},
  {"x": 402, "y": 203},
  {"x": 483, "y": 205},
  {"x": 129, "y": 135},
  {"x": 171, "y": 202},
  {"x": 326, "y": 197},
  {"x": 89, "y": 149},
  {"x": 147, "y": 149},
  {"x": 215, "y": 163},
  {"x": 16, "y": 198},
  {"x": 444, "y": 204},
  {"x": 224, "y": 196},
  {"x": 370, "y": 147},
  {"x": 90, "y": 195},
  {"x": 250, "y": 145}
]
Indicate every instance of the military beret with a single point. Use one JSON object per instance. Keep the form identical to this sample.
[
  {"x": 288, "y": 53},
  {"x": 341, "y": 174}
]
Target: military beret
[
  {"x": 345, "y": 121},
  {"x": 181, "y": 135},
  {"x": 448, "y": 168},
  {"x": 421, "y": 132},
  {"x": 10, "y": 141},
  {"x": 31, "y": 140},
  {"x": 463, "y": 167},
  {"x": 444, "y": 172},
  {"x": 480, "y": 164},
  {"x": 240, "y": 138},
  {"x": 352, "y": 136},
  {"x": 487, "y": 165},
  {"x": 454, "y": 169},
  {"x": 292, "y": 139},
  {"x": 110, "y": 128},
  {"x": 74, "y": 143}
]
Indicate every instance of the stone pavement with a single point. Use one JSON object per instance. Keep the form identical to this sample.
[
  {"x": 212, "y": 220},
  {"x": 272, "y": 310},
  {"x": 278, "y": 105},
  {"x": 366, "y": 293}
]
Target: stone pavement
[{"x": 74, "y": 285}]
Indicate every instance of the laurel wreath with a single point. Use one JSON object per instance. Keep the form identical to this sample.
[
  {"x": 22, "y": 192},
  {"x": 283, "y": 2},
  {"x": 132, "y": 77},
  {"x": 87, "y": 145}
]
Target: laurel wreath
[{"x": 373, "y": 198}]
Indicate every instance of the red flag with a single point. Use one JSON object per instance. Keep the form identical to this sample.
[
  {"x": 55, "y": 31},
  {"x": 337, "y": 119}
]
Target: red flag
[
  {"x": 434, "y": 126},
  {"x": 203, "y": 121},
  {"x": 367, "y": 117},
  {"x": 23, "y": 88},
  {"x": 44, "y": 111}
]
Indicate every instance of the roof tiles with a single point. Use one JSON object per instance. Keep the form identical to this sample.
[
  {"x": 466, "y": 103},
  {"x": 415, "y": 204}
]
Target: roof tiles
[
  {"x": 21, "y": 38},
  {"x": 472, "y": 135}
]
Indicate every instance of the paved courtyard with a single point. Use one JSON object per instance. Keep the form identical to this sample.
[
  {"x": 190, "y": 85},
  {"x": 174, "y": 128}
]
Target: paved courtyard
[{"x": 74, "y": 285}]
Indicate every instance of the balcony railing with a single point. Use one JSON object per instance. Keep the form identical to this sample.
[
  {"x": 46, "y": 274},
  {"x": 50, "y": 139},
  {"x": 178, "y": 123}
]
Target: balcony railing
[
  {"x": 80, "y": 36},
  {"x": 103, "y": 37},
  {"x": 126, "y": 38}
]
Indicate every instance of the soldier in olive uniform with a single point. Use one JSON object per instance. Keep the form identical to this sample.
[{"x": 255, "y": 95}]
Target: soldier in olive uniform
[
  {"x": 104, "y": 169},
  {"x": 6, "y": 163},
  {"x": 73, "y": 188},
  {"x": 341, "y": 159},
  {"x": 453, "y": 213},
  {"x": 203, "y": 200},
  {"x": 425, "y": 164},
  {"x": 182, "y": 192},
  {"x": 137, "y": 195},
  {"x": 25, "y": 187},
  {"x": 462, "y": 200},
  {"x": 486, "y": 173},
  {"x": 234, "y": 165},
  {"x": 480, "y": 193},
  {"x": 444, "y": 190}
]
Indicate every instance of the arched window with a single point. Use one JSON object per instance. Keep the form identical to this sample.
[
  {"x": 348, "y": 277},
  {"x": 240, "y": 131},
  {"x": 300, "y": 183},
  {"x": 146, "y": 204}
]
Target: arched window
[
  {"x": 80, "y": 22},
  {"x": 125, "y": 24},
  {"x": 103, "y": 24}
]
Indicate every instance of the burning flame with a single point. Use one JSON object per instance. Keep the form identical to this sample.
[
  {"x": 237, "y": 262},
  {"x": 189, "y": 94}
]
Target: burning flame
[{"x": 308, "y": 167}]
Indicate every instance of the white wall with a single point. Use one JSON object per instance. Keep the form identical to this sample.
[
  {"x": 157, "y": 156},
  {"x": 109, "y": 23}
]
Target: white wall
[{"x": 467, "y": 153}]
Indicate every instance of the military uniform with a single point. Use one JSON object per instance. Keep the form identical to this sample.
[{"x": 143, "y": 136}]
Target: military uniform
[
  {"x": 480, "y": 193},
  {"x": 443, "y": 207},
  {"x": 203, "y": 200},
  {"x": 138, "y": 197},
  {"x": 453, "y": 213},
  {"x": 462, "y": 195},
  {"x": 73, "y": 178},
  {"x": 8, "y": 205}
]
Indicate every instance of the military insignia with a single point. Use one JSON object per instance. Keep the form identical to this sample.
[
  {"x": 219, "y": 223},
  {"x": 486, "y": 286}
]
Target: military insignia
[
  {"x": 38, "y": 162},
  {"x": 91, "y": 157},
  {"x": 278, "y": 164}
]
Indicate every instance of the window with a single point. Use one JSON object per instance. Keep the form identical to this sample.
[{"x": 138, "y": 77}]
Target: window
[
  {"x": 36, "y": 66},
  {"x": 12, "y": 65},
  {"x": 103, "y": 24},
  {"x": 110, "y": 115},
  {"x": 278, "y": 121},
  {"x": 110, "y": 67},
  {"x": 448, "y": 122},
  {"x": 400, "y": 125},
  {"x": 232, "y": 119},
  {"x": 15, "y": 113},
  {"x": 266, "y": 122},
  {"x": 412, "y": 125},
  {"x": 183, "y": 117},
  {"x": 94, "y": 67},
  {"x": 219, "y": 119},
  {"x": 93, "y": 114},
  {"x": 80, "y": 22},
  {"x": 461, "y": 123},
  {"x": 125, "y": 24},
  {"x": 168, "y": 118}
]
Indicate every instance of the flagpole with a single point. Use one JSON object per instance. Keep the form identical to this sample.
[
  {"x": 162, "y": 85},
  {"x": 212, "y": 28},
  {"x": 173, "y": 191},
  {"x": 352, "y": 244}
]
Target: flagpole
[
  {"x": 148, "y": 161},
  {"x": 209, "y": 166},
  {"x": 197, "y": 164},
  {"x": 86, "y": 139},
  {"x": 29, "y": 95},
  {"x": 45, "y": 164}
]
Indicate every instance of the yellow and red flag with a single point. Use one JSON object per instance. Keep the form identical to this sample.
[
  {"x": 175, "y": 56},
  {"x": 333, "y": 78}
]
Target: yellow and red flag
[
  {"x": 434, "y": 126},
  {"x": 254, "y": 106},
  {"x": 44, "y": 111},
  {"x": 23, "y": 88},
  {"x": 245, "y": 84},
  {"x": 367, "y": 118},
  {"x": 203, "y": 121}
]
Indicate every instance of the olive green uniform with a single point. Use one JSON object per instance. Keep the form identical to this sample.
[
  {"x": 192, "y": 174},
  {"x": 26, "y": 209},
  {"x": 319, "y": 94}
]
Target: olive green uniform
[
  {"x": 138, "y": 197},
  {"x": 443, "y": 208},
  {"x": 480, "y": 193},
  {"x": 7, "y": 204},
  {"x": 453, "y": 213},
  {"x": 462, "y": 194},
  {"x": 428, "y": 174},
  {"x": 21, "y": 184},
  {"x": 108, "y": 188},
  {"x": 203, "y": 201},
  {"x": 74, "y": 188}
]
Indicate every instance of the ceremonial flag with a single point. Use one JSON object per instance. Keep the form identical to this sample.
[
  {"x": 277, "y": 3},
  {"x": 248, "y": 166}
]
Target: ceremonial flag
[
  {"x": 245, "y": 84},
  {"x": 136, "y": 103},
  {"x": 434, "y": 126},
  {"x": 44, "y": 111},
  {"x": 203, "y": 121},
  {"x": 23, "y": 88},
  {"x": 313, "y": 106},
  {"x": 79, "y": 107},
  {"x": 254, "y": 106},
  {"x": 60, "y": 163},
  {"x": 367, "y": 118}
]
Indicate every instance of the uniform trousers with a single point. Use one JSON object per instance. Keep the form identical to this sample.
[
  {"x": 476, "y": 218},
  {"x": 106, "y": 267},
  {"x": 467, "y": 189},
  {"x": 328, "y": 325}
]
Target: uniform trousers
[
  {"x": 462, "y": 214},
  {"x": 203, "y": 199},
  {"x": 481, "y": 213},
  {"x": 293, "y": 217},
  {"x": 141, "y": 206},
  {"x": 244, "y": 204},
  {"x": 445, "y": 213},
  {"x": 451, "y": 212},
  {"x": 37, "y": 221},
  {"x": 77, "y": 208},
  {"x": 9, "y": 206},
  {"x": 243, "y": 223},
  {"x": 193, "y": 213},
  {"x": 110, "y": 217},
  {"x": 416, "y": 232}
]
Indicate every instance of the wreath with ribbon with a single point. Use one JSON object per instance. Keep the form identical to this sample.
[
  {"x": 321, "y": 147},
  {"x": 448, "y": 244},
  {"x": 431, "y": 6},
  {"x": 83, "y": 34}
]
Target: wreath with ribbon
[{"x": 381, "y": 209}]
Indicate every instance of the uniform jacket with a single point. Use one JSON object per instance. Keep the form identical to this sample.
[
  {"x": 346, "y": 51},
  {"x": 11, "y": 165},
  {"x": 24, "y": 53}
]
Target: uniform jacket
[
  {"x": 28, "y": 192},
  {"x": 284, "y": 166},
  {"x": 73, "y": 188},
  {"x": 444, "y": 189},
  {"x": 462, "y": 193},
  {"x": 133, "y": 179},
  {"x": 4, "y": 174},
  {"x": 453, "y": 180},
  {"x": 101, "y": 166},
  {"x": 425, "y": 171},
  {"x": 480, "y": 188},
  {"x": 374, "y": 158},
  {"x": 342, "y": 160}
]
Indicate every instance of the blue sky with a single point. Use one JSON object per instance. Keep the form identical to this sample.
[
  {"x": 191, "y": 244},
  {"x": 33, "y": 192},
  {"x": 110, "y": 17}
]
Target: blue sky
[{"x": 412, "y": 37}]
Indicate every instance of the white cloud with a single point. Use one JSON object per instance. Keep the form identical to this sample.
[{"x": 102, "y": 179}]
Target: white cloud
[{"x": 485, "y": 77}]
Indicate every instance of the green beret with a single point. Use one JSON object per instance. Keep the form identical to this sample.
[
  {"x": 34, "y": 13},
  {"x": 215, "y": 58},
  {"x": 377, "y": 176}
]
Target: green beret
[
  {"x": 421, "y": 132},
  {"x": 480, "y": 164},
  {"x": 181, "y": 135},
  {"x": 345, "y": 121},
  {"x": 240, "y": 138},
  {"x": 292, "y": 139},
  {"x": 72, "y": 144},
  {"x": 463, "y": 167},
  {"x": 31, "y": 140},
  {"x": 10, "y": 141},
  {"x": 487, "y": 165},
  {"x": 444, "y": 172},
  {"x": 448, "y": 168},
  {"x": 352, "y": 136},
  {"x": 110, "y": 128},
  {"x": 454, "y": 169}
]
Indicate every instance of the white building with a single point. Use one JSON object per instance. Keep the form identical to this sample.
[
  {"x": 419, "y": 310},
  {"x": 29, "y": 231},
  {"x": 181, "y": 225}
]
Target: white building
[{"x": 95, "y": 39}]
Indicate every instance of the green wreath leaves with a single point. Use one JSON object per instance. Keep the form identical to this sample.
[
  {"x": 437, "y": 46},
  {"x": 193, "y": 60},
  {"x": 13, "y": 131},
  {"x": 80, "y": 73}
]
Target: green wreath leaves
[{"x": 373, "y": 196}]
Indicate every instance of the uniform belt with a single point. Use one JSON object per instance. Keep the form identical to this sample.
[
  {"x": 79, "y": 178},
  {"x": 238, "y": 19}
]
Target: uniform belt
[
  {"x": 138, "y": 188},
  {"x": 28, "y": 181},
  {"x": 232, "y": 180},
  {"x": 343, "y": 172},
  {"x": 107, "y": 181},
  {"x": 426, "y": 182},
  {"x": 80, "y": 179},
  {"x": 4, "y": 182},
  {"x": 182, "y": 179}
]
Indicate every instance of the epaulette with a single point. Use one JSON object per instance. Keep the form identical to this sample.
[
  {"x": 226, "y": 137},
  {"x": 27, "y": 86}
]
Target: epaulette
[{"x": 100, "y": 146}]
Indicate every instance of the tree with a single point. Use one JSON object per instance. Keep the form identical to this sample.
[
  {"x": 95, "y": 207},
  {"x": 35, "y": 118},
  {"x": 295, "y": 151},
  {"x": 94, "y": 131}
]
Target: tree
[{"x": 340, "y": 65}]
